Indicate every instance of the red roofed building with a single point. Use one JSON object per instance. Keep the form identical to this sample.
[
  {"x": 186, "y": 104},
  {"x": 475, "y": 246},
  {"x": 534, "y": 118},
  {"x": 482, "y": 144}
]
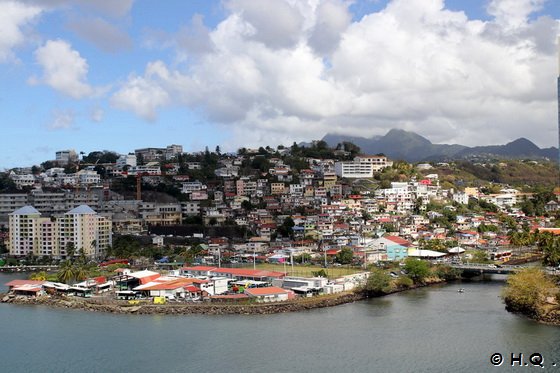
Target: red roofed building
[
  {"x": 399, "y": 240},
  {"x": 554, "y": 231},
  {"x": 269, "y": 294},
  {"x": 247, "y": 274},
  {"x": 197, "y": 270},
  {"x": 18, "y": 283}
]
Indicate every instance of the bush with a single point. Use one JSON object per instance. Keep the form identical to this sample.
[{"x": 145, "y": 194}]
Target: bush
[
  {"x": 378, "y": 283},
  {"x": 527, "y": 290},
  {"x": 447, "y": 273},
  {"x": 404, "y": 282},
  {"x": 417, "y": 269}
]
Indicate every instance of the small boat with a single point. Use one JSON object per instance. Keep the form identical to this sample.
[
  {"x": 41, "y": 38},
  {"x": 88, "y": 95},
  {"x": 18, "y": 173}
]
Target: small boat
[{"x": 461, "y": 290}]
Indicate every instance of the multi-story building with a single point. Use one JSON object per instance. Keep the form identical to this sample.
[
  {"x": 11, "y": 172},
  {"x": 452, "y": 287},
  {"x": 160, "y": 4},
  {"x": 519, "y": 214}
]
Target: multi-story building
[
  {"x": 363, "y": 166},
  {"x": 160, "y": 214},
  {"x": 190, "y": 208},
  {"x": 22, "y": 181},
  {"x": 126, "y": 160},
  {"x": 12, "y": 201},
  {"x": 23, "y": 236},
  {"x": 171, "y": 151},
  {"x": 81, "y": 227},
  {"x": 329, "y": 179},
  {"x": 277, "y": 188},
  {"x": 86, "y": 230},
  {"x": 192, "y": 186},
  {"x": 64, "y": 157},
  {"x": 88, "y": 177},
  {"x": 156, "y": 154},
  {"x": 151, "y": 168}
]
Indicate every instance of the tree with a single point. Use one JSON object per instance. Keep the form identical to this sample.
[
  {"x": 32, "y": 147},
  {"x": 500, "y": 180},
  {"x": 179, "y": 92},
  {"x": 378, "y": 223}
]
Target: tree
[
  {"x": 66, "y": 272},
  {"x": 550, "y": 246},
  {"x": 38, "y": 276},
  {"x": 80, "y": 271},
  {"x": 320, "y": 273},
  {"x": 286, "y": 228},
  {"x": 302, "y": 258},
  {"x": 70, "y": 250},
  {"x": 416, "y": 269},
  {"x": 378, "y": 283},
  {"x": 480, "y": 256},
  {"x": 246, "y": 205},
  {"x": 352, "y": 148},
  {"x": 345, "y": 256}
]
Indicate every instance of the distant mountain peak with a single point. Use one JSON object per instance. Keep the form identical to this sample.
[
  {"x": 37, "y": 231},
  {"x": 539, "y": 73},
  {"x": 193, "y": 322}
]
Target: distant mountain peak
[
  {"x": 523, "y": 143},
  {"x": 412, "y": 147}
]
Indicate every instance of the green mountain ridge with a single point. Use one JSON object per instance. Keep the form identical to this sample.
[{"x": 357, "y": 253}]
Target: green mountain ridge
[{"x": 411, "y": 147}]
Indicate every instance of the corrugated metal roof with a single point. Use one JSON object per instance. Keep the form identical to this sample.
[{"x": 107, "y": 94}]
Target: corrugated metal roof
[
  {"x": 82, "y": 209},
  {"x": 26, "y": 210},
  {"x": 24, "y": 282}
]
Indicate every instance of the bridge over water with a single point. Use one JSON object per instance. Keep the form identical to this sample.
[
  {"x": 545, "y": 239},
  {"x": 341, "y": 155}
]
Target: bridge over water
[
  {"x": 482, "y": 269},
  {"x": 491, "y": 269}
]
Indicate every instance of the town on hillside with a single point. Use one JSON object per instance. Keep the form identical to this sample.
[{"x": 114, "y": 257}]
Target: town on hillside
[{"x": 269, "y": 224}]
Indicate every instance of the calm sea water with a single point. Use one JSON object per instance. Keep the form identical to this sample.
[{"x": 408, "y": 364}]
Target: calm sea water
[{"x": 426, "y": 330}]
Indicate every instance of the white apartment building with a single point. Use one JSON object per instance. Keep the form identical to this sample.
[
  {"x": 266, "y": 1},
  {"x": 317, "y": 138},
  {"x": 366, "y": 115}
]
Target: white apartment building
[
  {"x": 363, "y": 166},
  {"x": 126, "y": 160},
  {"x": 88, "y": 177},
  {"x": 190, "y": 208},
  {"x": 29, "y": 233},
  {"x": 505, "y": 200},
  {"x": 192, "y": 186},
  {"x": 66, "y": 156},
  {"x": 22, "y": 181},
  {"x": 152, "y": 168}
]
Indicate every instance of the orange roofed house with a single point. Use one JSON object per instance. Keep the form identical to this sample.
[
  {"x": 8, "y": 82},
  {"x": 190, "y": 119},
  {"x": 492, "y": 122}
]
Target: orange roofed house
[{"x": 269, "y": 294}]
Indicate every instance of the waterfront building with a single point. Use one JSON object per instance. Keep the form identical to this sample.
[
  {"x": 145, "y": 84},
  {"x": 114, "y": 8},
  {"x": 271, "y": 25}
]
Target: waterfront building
[
  {"x": 269, "y": 294},
  {"x": 32, "y": 234}
]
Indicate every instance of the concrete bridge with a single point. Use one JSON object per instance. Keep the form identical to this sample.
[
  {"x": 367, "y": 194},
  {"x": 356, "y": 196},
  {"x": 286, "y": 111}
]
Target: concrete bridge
[
  {"x": 482, "y": 269},
  {"x": 475, "y": 269}
]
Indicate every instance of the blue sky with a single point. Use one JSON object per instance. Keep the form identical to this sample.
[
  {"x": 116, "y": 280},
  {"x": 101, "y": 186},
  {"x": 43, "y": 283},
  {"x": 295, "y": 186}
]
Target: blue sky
[{"x": 98, "y": 74}]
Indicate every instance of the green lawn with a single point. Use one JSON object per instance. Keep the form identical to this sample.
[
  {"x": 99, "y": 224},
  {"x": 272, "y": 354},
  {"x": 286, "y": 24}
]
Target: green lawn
[{"x": 306, "y": 271}]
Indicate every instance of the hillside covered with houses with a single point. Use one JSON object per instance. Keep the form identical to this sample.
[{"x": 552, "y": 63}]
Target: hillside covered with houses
[{"x": 300, "y": 204}]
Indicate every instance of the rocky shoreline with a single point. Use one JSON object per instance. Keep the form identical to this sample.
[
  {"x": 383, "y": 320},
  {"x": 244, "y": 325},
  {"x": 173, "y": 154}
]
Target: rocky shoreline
[
  {"x": 205, "y": 308},
  {"x": 122, "y": 307},
  {"x": 549, "y": 315}
]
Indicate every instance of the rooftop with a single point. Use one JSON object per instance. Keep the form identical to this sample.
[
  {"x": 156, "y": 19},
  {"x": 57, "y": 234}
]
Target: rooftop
[{"x": 26, "y": 210}]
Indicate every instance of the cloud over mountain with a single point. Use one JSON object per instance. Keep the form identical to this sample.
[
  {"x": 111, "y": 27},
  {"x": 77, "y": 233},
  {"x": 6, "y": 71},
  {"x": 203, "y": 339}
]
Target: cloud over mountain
[{"x": 413, "y": 65}]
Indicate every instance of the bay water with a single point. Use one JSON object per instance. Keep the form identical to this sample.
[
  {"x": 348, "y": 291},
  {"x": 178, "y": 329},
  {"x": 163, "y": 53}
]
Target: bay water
[{"x": 433, "y": 329}]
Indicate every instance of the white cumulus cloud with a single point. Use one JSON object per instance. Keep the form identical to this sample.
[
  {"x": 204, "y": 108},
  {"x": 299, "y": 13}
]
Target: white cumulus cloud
[
  {"x": 63, "y": 69},
  {"x": 14, "y": 17},
  {"x": 414, "y": 65},
  {"x": 144, "y": 95}
]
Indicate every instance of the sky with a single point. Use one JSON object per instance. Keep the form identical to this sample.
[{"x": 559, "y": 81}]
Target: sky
[{"x": 120, "y": 75}]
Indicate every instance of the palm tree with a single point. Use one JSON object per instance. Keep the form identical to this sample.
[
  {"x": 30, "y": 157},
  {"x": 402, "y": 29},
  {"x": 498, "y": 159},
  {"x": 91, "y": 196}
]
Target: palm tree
[
  {"x": 80, "y": 271},
  {"x": 66, "y": 272},
  {"x": 70, "y": 250}
]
